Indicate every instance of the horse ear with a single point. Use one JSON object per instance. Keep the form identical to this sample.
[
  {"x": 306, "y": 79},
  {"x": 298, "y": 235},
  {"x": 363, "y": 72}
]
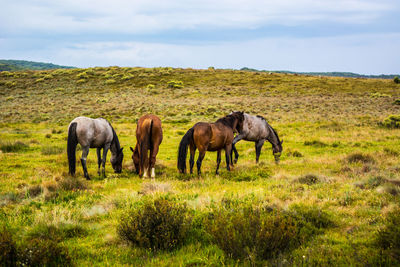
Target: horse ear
[{"x": 131, "y": 148}]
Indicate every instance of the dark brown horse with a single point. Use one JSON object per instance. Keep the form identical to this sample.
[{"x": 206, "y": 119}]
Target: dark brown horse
[
  {"x": 209, "y": 137},
  {"x": 148, "y": 137}
]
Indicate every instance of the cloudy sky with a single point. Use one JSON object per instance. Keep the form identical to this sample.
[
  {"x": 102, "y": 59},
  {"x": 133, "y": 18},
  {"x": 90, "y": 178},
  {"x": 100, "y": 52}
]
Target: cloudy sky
[{"x": 360, "y": 36}]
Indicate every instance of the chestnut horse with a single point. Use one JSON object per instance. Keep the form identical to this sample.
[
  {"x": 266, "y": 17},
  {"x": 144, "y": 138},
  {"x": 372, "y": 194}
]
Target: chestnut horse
[
  {"x": 148, "y": 137},
  {"x": 210, "y": 137}
]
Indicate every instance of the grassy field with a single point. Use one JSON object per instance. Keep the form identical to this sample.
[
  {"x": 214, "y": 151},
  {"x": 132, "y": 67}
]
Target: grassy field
[{"x": 333, "y": 200}]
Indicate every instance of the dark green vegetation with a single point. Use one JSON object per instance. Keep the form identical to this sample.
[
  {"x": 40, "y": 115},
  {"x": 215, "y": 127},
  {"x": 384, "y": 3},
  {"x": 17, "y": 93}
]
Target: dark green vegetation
[
  {"x": 332, "y": 74},
  {"x": 333, "y": 200},
  {"x": 18, "y": 65}
]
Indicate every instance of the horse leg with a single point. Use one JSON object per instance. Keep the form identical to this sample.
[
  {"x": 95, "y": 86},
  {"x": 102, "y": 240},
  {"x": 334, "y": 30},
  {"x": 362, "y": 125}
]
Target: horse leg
[
  {"x": 235, "y": 140},
  {"x": 98, "y": 159},
  {"x": 218, "y": 161},
  {"x": 85, "y": 152},
  {"x": 192, "y": 153},
  {"x": 259, "y": 145},
  {"x": 200, "y": 160},
  {"x": 228, "y": 150},
  {"x": 153, "y": 155},
  {"x": 105, "y": 150}
]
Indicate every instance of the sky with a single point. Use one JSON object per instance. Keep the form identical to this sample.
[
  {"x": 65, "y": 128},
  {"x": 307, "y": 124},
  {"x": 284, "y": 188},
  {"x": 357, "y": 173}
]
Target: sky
[{"x": 361, "y": 36}]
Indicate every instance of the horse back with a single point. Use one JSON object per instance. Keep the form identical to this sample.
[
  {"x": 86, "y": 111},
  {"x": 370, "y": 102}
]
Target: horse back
[
  {"x": 93, "y": 132},
  {"x": 149, "y": 127},
  {"x": 255, "y": 128}
]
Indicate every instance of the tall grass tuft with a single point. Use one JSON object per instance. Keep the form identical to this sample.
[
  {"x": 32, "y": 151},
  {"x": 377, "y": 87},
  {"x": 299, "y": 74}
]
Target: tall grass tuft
[{"x": 10, "y": 147}]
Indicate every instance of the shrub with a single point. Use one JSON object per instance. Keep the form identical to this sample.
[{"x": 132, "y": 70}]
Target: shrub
[
  {"x": 360, "y": 157},
  {"x": 393, "y": 121},
  {"x": 244, "y": 232},
  {"x": 388, "y": 238},
  {"x": 8, "y": 249},
  {"x": 71, "y": 184},
  {"x": 81, "y": 81},
  {"x": 251, "y": 233},
  {"x": 314, "y": 215},
  {"x": 175, "y": 84},
  {"x": 44, "y": 252},
  {"x": 111, "y": 81},
  {"x": 17, "y": 146},
  {"x": 159, "y": 224},
  {"x": 396, "y": 80},
  {"x": 396, "y": 102},
  {"x": 308, "y": 179}
]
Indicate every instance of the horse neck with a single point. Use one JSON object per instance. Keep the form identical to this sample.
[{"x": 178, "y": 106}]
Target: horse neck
[
  {"x": 115, "y": 146},
  {"x": 230, "y": 122},
  {"x": 272, "y": 137}
]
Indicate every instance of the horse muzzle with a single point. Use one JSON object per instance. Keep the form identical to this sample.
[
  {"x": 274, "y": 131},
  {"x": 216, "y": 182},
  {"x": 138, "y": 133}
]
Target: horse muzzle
[{"x": 277, "y": 157}]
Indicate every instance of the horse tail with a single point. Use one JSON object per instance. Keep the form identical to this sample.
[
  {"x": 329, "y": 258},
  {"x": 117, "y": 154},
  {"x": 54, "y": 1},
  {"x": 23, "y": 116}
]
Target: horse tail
[
  {"x": 182, "y": 153},
  {"x": 71, "y": 147},
  {"x": 145, "y": 144}
]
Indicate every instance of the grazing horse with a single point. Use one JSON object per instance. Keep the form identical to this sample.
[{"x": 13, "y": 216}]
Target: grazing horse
[
  {"x": 148, "y": 137},
  {"x": 257, "y": 129},
  {"x": 93, "y": 133},
  {"x": 209, "y": 137}
]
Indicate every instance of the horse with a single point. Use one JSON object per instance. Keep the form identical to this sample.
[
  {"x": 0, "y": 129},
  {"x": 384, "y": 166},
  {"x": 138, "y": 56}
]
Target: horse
[
  {"x": 257, "y": 129},
  {"x": 93, "y": 133},
  {"x": 149, "y": 136},
  {"x": 209, "y": 137}
]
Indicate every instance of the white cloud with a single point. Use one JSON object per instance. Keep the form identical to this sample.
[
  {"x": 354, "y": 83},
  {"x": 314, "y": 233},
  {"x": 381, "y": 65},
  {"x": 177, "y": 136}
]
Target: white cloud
[
  {"x": 367, "y": 54},
  {"x": 124, "y": 16}
]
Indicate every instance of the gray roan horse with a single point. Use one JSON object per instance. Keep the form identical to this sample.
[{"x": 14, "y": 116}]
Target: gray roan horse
[
  {"x": 93, "y": 133},
  {"x": 257, "y": 129}
]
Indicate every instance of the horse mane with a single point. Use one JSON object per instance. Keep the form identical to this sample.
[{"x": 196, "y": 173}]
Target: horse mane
[
  {"x": 269, "y": 126},
  {"x": 115, "y": 139},
  {"x": 228, "y": 120}
]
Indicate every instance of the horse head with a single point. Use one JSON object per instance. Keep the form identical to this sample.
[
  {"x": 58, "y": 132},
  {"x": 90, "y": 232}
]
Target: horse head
[
  {"x": 116, "y": 161},
  {"x": 239, "y": 116},
  {"x": 277, "y": 151},
  {"x": 135, "y": 158}
]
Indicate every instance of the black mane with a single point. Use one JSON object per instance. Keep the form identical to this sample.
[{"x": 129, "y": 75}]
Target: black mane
[
  {"x": 228, "y": 120},
  {"x": 276, "y": 134},
  {"x": 115, "y": 139}
]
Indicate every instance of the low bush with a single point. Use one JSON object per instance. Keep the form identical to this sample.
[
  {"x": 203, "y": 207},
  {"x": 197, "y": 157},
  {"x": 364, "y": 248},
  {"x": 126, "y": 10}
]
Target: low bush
[
  {"x": 308, "y": 179},
  {"x": 396, "y": 80},
  {"x": 392, "y": 121},
  {"x": 244, "y": 232},
  {"x": 8, "y": 248},
  {"x": 360, "y": 157},
  {"x": 44, "y": 252},
  {"x": 158, "y": 225},
  {"x": 71, "y": 184},
  {"x": 175, "y": 84},
  {"x": 388, "y": 239}
]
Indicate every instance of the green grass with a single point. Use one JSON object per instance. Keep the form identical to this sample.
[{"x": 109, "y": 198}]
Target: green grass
[{"x": 339, "y": 168}]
